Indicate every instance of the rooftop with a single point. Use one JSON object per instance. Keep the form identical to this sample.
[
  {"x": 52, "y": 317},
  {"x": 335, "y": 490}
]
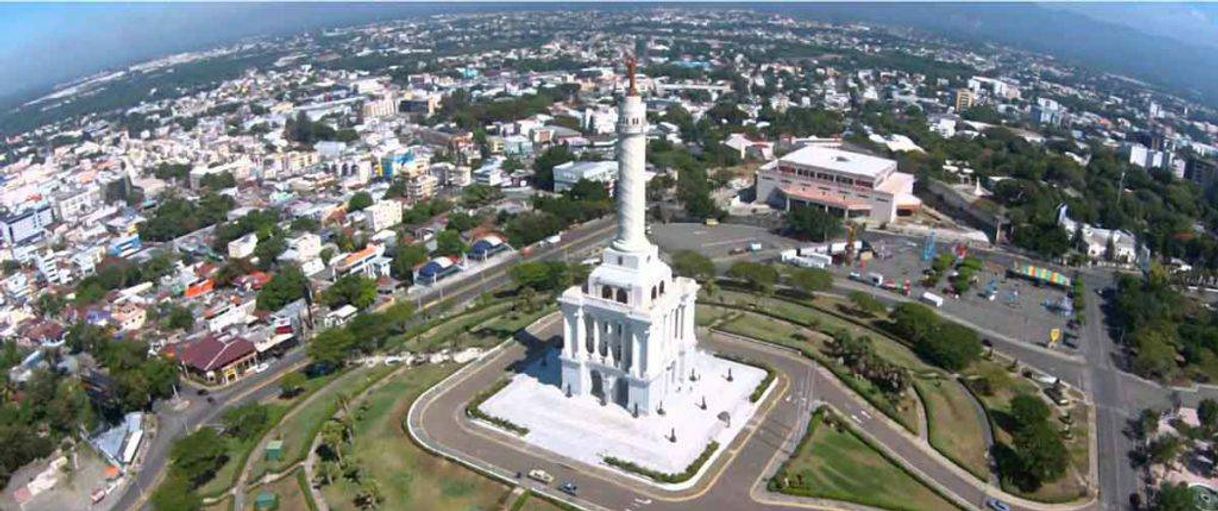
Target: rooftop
[{"x": 838, "y": 160}]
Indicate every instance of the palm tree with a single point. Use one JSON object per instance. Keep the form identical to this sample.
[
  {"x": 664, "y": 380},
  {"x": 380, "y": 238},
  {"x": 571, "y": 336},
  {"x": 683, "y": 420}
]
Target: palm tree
[
  {"x": 327, "y": 471},
  {"x": 333, "y": 437},
  {"x": 369, "y": 495}
]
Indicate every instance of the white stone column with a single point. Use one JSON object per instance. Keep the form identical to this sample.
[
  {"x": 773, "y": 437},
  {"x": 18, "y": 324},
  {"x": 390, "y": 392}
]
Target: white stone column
[
  {"x": 634, "y": 353},
  {"x": 596, "y": 337},
  {"x": 611, "y": 342},
  {"x": 631, "y": 185}
]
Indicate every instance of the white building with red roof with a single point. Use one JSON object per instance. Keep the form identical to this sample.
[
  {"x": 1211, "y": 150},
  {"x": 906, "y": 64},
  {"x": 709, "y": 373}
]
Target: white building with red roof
[{"x": 848, "y": 184}]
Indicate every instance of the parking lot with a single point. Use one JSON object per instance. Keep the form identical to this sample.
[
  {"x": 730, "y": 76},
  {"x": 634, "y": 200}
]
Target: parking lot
[
  {"x": 1018, "y": 308},
  {"x": 716, "y": 241}
]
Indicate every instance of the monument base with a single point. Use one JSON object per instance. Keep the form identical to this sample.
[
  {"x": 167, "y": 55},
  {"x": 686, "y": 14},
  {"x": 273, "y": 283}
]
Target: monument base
[{"x": 583, "y": 429}]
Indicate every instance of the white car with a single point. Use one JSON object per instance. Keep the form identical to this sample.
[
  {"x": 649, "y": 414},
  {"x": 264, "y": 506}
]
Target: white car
[
  {"x": 541, "y": 476},
  {"x": 260, "y": 368}
]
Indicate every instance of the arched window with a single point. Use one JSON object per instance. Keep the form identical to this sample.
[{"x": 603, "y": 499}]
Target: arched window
[
  {"x": 621, "y": 295},
  {"x": 607, "y": 292},
  {"x": 661, "y": 287},
  {"x": 653, "y": 292}
]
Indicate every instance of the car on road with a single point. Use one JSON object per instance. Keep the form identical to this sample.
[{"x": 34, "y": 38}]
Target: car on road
[
  {"x": 541, "y": 476},
  {"x": 261, "y": 368},
  {"x": 568, "y": 487},
  {"x": 997, "y": 505}
]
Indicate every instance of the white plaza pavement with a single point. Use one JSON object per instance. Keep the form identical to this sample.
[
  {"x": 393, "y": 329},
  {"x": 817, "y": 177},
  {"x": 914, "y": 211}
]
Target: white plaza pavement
[{"x": 582, "y": 429}]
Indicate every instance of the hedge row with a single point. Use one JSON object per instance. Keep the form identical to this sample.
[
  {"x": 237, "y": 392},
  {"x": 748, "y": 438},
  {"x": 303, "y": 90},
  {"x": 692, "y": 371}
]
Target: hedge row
[
  {"x": 663, "y": 477},
  {"x": 473, "y": 410}
]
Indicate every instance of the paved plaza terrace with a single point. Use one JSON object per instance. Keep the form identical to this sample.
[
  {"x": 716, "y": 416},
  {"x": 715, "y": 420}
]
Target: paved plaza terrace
[{"x": 581, "y": 428}]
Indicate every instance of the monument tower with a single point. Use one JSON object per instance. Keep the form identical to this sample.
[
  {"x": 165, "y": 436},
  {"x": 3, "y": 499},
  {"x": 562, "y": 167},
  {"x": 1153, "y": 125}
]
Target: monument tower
[{"x": 627, "y": 331}]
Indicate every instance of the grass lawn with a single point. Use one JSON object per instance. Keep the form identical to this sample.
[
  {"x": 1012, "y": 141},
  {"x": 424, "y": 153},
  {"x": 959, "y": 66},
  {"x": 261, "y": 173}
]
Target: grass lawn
[
  {"x": 225, "y": 504},
  {"x": 409, "y": 477},
  {"x": 238, "y": 451},
  {"x": 836, "y": 464},
  {"x": 952, "y": 421},
  {"x": 707, "y": 315},
  {"x": 292, "y": 497},
  {"x": 906, "y": 410},
  {"x": 955, "y": 427},
  {"x": 434, "y": 337},
  {"x": 530, "y": 502},
  {"x": 1006, "y": 385},
  {"x": 298, "y": 430}
]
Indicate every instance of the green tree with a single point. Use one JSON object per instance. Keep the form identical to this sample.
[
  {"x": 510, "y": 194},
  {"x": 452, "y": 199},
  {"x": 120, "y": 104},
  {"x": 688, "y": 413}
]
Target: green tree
[
  {"x": 1207, "y": 413},
  {"x": 292, "y": 383},
  {"x": 1173, "y": 497},
  {"x": 913, "y": 321},
  {"x": 246, "y": 421},
  {"x": 543, "y": 165},
  {"x": 197, "y": 456},
  {"x": 449, "y": 243},
  {"x": 405, "y": 258},
  {"x": 331, "y": 347},
  {"x": 356, "y": 290},
  {"x": 950, "y": 346},
  {"x": 176, "y": 494},
  {"x": 810, "y": 280},
  {"x": 287, "y": 286},
  {"x": 1027, "y": 409},
  {"x": 1156, "y": 355},
  {"x": 359, "y": 201},
  {"x": 541, "y": 275},
  {"x": 758, "y": 276},
  {"x": 688, "y": 263},
  {"x": 1042, "y": 456},
  {"x": 461, "y": 222},
  {"x": 179, "y": 318},
  {"x": 814, "y": 223},
  {"x": 865, "y": 303}
]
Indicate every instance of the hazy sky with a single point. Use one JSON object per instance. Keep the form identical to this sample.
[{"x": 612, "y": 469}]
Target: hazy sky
[{"x": 44, "y": 43}]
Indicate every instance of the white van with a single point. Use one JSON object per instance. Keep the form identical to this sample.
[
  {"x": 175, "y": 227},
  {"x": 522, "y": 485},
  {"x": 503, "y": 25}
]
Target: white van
[{"x": 932, "y": 299}]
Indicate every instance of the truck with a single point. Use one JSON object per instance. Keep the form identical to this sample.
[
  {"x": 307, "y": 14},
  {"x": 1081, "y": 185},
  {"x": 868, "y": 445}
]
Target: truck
[
  {"x": 932, "y": 299},
  {"x": 806, "y": 260},
  {"x": 876, "y": 279},
  {"x": 754, "y": 247}
]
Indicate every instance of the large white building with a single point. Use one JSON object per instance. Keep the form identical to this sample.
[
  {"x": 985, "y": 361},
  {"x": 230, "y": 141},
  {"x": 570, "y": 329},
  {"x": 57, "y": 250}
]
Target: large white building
[
  {"x": 629, "y": 330},
  {"x": 383, "y": 214},
  {"x": 849, "y": 184},
  {"x": 567, "y": 174}
]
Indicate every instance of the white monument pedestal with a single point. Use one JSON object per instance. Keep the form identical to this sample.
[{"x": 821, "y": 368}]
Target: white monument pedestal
[{"x": 581, "y": 428}]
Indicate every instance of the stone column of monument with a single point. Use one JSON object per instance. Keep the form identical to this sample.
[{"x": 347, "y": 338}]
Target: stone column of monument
[{"x": 632, "y": 159}]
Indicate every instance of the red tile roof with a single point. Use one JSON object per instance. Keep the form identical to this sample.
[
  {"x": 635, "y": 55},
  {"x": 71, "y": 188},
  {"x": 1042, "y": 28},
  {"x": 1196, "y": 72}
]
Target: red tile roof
[{"x": 211, "y": 353}]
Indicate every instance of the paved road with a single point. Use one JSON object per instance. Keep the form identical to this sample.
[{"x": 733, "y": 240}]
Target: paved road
[
  {"x": 735, "y": 481},
  {"x": 174, "y": 423}
]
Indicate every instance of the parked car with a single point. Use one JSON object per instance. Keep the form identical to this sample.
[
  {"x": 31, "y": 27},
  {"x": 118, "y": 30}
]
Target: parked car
[{"x": 569, "y": 488}]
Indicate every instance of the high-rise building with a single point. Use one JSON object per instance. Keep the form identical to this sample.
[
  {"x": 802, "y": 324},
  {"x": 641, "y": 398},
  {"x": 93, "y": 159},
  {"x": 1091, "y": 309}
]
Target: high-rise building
[
  {"x": 963, "y": 99},
  {"x": 629, "y": 330}
]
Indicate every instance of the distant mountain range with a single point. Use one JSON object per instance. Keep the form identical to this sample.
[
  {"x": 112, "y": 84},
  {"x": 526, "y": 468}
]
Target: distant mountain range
[{"x": 1189, "y": 70}]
